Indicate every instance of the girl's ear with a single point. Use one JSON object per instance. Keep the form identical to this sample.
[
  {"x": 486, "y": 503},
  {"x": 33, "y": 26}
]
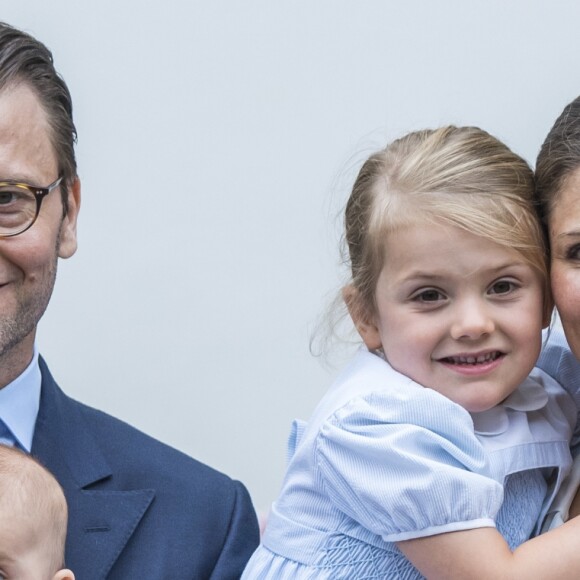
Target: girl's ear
[{"x": 363, "y": 321}]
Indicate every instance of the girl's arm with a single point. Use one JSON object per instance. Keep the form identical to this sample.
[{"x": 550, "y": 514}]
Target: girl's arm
[{"x": 482, "y": 553}]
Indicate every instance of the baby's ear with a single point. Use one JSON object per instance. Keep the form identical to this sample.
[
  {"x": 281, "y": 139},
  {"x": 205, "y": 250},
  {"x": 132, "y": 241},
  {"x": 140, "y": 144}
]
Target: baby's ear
[
  {"x": 362, "y": 318},
  {"x": 64, "y": 575}
]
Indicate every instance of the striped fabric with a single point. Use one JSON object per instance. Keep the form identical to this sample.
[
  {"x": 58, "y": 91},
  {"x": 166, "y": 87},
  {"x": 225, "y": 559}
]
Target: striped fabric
[{"x": 383, "y": 460}]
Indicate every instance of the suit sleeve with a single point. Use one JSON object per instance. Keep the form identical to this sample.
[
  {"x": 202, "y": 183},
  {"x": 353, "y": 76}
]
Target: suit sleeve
[{"x": 242, "y": 537}]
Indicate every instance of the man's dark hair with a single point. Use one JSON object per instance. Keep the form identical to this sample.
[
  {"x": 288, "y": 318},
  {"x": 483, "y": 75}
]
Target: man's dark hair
[{"x": 23, "y": 59}]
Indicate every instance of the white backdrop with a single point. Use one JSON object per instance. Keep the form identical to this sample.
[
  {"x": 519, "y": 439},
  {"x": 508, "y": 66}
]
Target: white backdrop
[{"x": 217, "y": 143}]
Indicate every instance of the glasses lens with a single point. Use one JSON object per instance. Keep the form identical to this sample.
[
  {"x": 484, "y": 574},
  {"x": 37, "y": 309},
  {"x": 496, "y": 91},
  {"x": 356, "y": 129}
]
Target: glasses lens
[{"x": 17, "y": 208}]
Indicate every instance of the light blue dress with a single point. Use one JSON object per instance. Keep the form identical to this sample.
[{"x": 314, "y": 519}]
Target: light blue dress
[{"x": 383, "y": 459}]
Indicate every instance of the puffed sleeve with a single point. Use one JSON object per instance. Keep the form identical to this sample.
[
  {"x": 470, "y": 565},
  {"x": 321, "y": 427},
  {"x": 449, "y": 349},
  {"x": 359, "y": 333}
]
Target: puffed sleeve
[
  {"x": 406, "y": 465},
  {"x": 558, "y": 361}
]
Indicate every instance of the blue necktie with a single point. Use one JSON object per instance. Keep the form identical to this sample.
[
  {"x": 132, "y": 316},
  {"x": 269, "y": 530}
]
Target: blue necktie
[{"x": 6, "y": 436}]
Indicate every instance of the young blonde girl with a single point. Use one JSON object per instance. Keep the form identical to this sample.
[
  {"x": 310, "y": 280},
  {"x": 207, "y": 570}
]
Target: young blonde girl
[{"x": 439, "y": 448}]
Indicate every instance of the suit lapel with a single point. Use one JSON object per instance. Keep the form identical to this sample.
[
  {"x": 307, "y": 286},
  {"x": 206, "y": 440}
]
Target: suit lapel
[{"x": 102, "y": 518}]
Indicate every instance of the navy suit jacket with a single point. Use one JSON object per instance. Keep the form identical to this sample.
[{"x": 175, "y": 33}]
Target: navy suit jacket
[{"x": 139, "y": 509}]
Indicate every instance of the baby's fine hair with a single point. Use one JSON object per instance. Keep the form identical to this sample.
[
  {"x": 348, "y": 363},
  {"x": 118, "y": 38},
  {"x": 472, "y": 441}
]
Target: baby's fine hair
[
  {"x": 459, "y": 176},
  {"x": 36, "y": 501}
]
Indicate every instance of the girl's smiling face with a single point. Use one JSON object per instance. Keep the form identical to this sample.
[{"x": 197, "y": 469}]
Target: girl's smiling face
[{"x": 457, "y": 313}]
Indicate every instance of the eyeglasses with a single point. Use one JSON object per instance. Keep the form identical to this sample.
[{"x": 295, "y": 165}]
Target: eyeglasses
[{"x": 20, "y": 205}]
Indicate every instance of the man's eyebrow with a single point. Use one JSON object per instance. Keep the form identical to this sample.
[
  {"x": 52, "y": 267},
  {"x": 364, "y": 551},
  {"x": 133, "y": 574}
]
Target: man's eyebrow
[{"x": 18, "y": 178}]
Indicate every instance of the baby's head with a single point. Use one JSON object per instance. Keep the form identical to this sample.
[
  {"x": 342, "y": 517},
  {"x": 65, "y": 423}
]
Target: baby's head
[
  {"x": 449, "y": 180},
  {"x": 33, "y": 520}
]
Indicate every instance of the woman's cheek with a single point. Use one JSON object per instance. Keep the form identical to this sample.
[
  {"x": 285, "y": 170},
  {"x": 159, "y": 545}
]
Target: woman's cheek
[{"x": 566, "y": 291}]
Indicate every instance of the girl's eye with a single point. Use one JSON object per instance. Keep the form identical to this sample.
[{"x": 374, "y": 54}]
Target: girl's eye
[
  {"x": 502, "y": 287},
  {"x": 430, "y": 295}
]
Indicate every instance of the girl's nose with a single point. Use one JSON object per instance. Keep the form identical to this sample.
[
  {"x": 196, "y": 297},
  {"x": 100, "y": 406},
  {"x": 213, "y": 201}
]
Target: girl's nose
[{"x": 472, "y": 321}]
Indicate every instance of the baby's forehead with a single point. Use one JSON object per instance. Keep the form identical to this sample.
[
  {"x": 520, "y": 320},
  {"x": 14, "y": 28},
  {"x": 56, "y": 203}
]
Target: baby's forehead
[
  {"x": 19, "y": 511},
  {"x": 21, "y": 530},
  {"x": 24, "y": 549},
  {"x": 27, "y": 503},
  {"x": 18, "y": 489}
]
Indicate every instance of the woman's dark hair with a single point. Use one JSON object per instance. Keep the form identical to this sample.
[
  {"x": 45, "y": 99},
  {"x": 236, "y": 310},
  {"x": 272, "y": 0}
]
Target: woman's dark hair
[{"x": 559, "y": 157}]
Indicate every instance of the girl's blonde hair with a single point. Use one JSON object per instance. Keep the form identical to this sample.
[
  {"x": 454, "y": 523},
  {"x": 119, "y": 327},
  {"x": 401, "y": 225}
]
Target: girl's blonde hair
[{"x": 461, "y": 176}]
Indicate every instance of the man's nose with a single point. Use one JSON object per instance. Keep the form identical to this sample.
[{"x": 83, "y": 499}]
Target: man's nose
[{"x": 472, "y": 320}]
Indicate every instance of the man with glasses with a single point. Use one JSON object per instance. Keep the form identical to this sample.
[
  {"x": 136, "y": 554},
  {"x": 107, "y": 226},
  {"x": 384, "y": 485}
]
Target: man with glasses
[{"x": 137, "y": 508}]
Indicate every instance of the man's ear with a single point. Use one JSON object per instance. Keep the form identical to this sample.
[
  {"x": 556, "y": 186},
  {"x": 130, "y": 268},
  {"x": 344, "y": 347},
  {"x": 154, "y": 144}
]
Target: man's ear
[
  {"x": 363, "y": 320},
  {"x": 64, "y": 575},
  {"x": 68, "y": 230}
]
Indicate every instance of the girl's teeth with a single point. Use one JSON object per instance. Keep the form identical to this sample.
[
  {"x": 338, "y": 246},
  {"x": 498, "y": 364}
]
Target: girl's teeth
[{"x": 473, "y": 360}]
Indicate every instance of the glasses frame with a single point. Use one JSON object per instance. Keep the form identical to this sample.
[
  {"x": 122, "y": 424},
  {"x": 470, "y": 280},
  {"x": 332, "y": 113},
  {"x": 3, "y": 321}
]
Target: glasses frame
[{"x": 39, "y": 194}]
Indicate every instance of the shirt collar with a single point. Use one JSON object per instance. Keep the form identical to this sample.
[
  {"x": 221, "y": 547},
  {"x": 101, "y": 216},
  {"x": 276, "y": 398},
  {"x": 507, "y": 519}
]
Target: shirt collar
[
  {"x": 529, "y": 396},
  {"x": 19, "y": 403}
]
